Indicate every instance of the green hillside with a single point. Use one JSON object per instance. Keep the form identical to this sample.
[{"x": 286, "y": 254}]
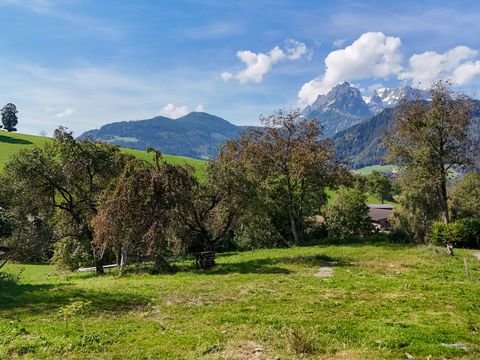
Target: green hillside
[
  {"x": 369, "y": 169},
  {"x": 11, "y": 143}
]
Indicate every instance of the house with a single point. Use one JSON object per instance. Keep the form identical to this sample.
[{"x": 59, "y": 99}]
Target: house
[{"x": 379, "y": 214}]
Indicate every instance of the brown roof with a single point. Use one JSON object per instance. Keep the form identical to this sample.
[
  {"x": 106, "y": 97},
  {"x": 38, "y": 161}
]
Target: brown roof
[{"x": 379, "y": 212}]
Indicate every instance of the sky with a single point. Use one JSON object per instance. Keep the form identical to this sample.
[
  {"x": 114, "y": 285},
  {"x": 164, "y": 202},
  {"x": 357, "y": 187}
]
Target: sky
[{"x": 86, "y": 63}]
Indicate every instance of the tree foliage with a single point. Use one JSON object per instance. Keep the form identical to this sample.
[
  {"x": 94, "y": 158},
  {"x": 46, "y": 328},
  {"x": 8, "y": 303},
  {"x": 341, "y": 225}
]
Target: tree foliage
[
  {"x": 347, "y": 214},
  {"x": 465, "y": 196},
  {"x": 9, "y": 117},
  {"x": 289, "y": 168},
  {"x": 62, "y": 182},
  {"x": 429, "y": 139},
  {"x": 136, "y": 213},
  {"x": 379, "y": 185}
]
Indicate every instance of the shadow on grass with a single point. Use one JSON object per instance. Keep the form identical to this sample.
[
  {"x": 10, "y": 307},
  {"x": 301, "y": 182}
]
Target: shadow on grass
[
  {"x": 259, "y": 266},
  {"x": 11, "y": 140},
  {"x": 28, "y": 298},
  {"x": 270, "y": 265},
  {"x": 314, "y": 260}
]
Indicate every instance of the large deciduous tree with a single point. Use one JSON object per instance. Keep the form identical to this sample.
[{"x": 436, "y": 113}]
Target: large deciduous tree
[
  {"x": 9, "y": 117},
  {"x": 289, "y": 166},
  {"x": 136, "y": 213},
  {"x": 428, "y": 140},
  {"x": 379, "y": 185},
  {"x": 63, "y": 181}
]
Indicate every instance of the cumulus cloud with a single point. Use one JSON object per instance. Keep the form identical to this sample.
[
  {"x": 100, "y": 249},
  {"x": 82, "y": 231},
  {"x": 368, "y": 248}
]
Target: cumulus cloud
[
  {"x": 259, "y": 64},
  {"x": 66, "y": 113},
  {"x": 200, "y": 108},
  {"x": 457, "y": 64},
  {"x": 373, "y": 54},
  {"x": 174, "y": 112}
]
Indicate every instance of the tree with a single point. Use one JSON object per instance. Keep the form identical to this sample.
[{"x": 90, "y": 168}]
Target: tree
[
  {"x": 431, "y": 138},
  {"x": 465, "y": 196},
  {"x": 289, "y": 167},
  {"x": 9, "y": 117},
  {"x": 136, "y": 213},
  {"x": 347, "y": 214},
  {"x": 63, "y": 182},
  {"x": 379, "y": 185},
  {"x": 213, "y": 210}
]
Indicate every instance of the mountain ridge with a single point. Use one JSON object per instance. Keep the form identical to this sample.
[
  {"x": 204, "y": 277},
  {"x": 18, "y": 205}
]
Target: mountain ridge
[{"x": 197, "y": 134}]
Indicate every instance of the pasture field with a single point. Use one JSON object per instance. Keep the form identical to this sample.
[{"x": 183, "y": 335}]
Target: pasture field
[
  {"x": 382, "y": 301},
  {"x": 11, "y": 143},
  {"x": 369, "y": 169}
]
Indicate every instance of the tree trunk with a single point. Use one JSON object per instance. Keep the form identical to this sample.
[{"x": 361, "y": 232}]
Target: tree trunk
[
  {"x": 291, "y": 214},
  {"x": 444, "y": 197},
  {"x": 294, "y": 230},
  {"x": 99, "y": 267}
]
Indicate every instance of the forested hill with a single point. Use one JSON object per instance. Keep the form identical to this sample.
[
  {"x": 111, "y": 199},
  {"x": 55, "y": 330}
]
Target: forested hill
[
  {"x": 196, "y": 135},
  {"x": 361, "y": 145}
]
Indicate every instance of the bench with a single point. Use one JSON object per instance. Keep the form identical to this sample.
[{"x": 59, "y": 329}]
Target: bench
[{"x": 205, "y": 260}]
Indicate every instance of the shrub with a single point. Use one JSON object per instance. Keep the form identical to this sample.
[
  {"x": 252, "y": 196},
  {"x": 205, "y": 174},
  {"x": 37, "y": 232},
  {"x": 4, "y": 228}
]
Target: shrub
[
  {"x": 472, "y": 228},
  {"x": 69, "y": 253},
  {"x": 462, "y": 233},
  {"x": 399, "y": 236},
  {"x": 347, "y": 214}
]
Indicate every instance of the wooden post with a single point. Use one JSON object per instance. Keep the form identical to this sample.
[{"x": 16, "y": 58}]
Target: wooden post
[{"x": 466, "y": 267}]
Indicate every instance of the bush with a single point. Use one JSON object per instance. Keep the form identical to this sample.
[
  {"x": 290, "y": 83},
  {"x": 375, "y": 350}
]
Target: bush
[
  {"x": 70, "y": 254},
  {"x": 347, "y": 214},
  {"x": 399, "y": 236},
  {"x": 463, "y": 233},
  {"x": 472, "y": 228}
]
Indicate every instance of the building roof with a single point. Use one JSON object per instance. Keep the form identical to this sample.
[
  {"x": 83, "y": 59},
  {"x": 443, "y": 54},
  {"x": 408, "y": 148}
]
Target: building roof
[{"x": 378, "y": 212}]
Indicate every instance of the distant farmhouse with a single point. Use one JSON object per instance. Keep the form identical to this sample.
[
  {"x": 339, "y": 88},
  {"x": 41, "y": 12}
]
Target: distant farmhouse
[{"x": 379, "y": 214}]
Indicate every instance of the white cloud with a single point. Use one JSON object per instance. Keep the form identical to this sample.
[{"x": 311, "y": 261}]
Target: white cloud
[
  {"x": 338, "y": 43},
  {"x": 456, "y": 64},
  {"x": 66, "y": 113},
  {"x": 295, "y": 49},
  {"x": 200, "y": 108},
  {"x": 372, "y": 55},
  {"x": 259, "y": 64},
  {"x": 174, "y": 112},
  {"x": 226, "y": 75},
  {"x": 466, "y": 72}
]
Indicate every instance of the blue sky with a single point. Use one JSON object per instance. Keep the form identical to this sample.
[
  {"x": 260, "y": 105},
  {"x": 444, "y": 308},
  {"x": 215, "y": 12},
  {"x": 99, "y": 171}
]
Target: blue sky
[{"x": 84, "y": 63}]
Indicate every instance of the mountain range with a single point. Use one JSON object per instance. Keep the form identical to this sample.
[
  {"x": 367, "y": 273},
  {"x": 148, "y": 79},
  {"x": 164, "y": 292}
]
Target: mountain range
[
  {"x": 354, "y": 123},
  {"x": 344, "y": 106}
]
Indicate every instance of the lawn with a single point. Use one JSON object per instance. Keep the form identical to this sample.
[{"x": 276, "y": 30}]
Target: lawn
[
  {"x": 11, "y": 143},
  {"x": 383, "y": 301}
]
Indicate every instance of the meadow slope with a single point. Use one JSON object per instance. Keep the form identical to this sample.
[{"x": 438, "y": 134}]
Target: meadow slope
[
  {"x": 383, "y": 301},
  {"x": 11, "y": 143}
]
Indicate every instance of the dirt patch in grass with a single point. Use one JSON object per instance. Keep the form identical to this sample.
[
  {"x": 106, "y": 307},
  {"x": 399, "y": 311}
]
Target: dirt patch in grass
[{"x": 245, "y": 350}]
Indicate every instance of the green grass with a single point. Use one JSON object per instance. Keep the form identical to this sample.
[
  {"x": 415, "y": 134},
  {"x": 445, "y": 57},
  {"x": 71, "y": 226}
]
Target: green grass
[
  {"x": 11, "y": 143},
  {"x": 371, "y": 199},
  {"x": 369, "y": 169},
  {"x": 382, "y": 302}
]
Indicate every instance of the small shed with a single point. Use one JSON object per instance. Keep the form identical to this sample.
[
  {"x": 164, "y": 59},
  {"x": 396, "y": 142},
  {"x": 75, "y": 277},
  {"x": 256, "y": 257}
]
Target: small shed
[{"x": 379, "y": 214}]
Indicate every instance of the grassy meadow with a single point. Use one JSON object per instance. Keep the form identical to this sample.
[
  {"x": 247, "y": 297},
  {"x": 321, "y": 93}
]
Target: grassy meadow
[
  {"x": 11, "y": 143},
  {"x": 369, "y": 169},
  {"x": 382, "y": 301}
]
